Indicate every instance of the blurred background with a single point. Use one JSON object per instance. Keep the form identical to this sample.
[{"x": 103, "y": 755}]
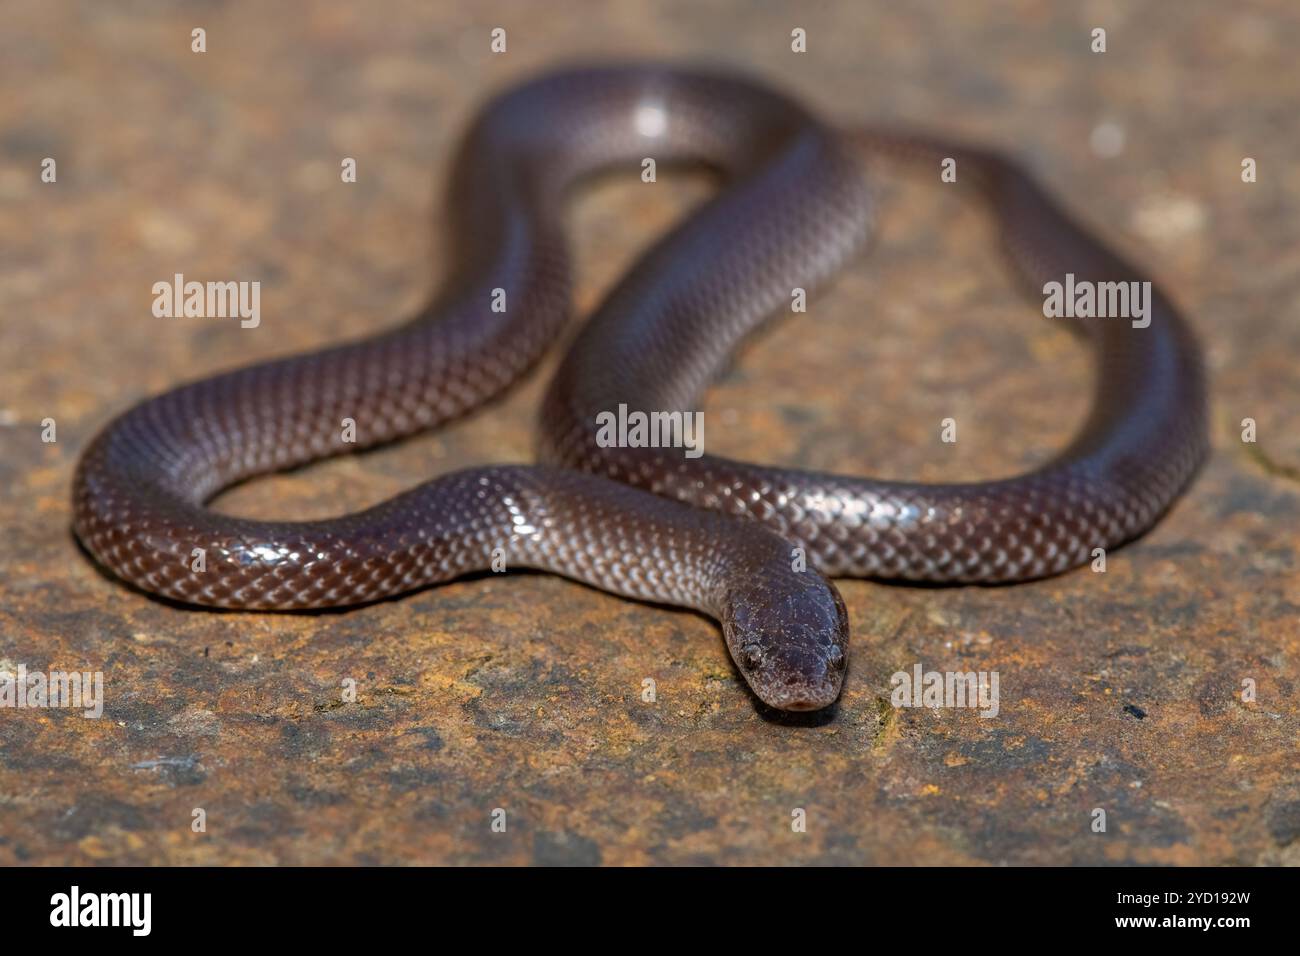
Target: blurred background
[{"x": 524, "y": 692}]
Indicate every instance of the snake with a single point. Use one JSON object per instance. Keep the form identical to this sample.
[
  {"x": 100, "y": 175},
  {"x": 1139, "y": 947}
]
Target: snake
[{"x": 749, "y": 545}]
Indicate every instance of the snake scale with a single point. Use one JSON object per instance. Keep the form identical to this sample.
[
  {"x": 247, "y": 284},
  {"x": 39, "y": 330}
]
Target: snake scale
[{"x": 648, "y": 523}]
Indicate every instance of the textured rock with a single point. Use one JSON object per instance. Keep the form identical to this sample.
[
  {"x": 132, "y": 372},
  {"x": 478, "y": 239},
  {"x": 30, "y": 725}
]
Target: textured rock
[{"x": 523, "y": 692}]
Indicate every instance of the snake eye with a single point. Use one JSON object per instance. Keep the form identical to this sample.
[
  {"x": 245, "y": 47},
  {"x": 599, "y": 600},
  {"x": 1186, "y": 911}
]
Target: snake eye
[
  {"x": 835, "y": 658},
  {"x": 750, "y": 657}
]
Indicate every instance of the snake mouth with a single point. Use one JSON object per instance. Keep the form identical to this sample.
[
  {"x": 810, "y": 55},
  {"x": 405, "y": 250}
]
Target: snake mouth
[
  {"x": 805, "y": 705},
  {"x": 813, "y": 697}
]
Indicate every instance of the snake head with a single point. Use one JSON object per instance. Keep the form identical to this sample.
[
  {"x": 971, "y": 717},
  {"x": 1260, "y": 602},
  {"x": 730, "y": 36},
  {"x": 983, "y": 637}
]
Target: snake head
[{"x": 788, "y": 633}]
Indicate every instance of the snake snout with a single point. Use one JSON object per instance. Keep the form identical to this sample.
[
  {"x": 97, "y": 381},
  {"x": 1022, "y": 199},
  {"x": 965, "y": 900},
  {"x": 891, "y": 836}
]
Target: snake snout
[{"x": 798, "y": 678}]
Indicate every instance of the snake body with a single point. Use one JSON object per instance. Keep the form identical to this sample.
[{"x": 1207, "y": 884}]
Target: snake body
[{"x": 648, "y": 523}]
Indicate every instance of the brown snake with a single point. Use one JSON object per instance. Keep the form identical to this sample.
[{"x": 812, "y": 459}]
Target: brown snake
[{"x": 793, "y": 210}]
